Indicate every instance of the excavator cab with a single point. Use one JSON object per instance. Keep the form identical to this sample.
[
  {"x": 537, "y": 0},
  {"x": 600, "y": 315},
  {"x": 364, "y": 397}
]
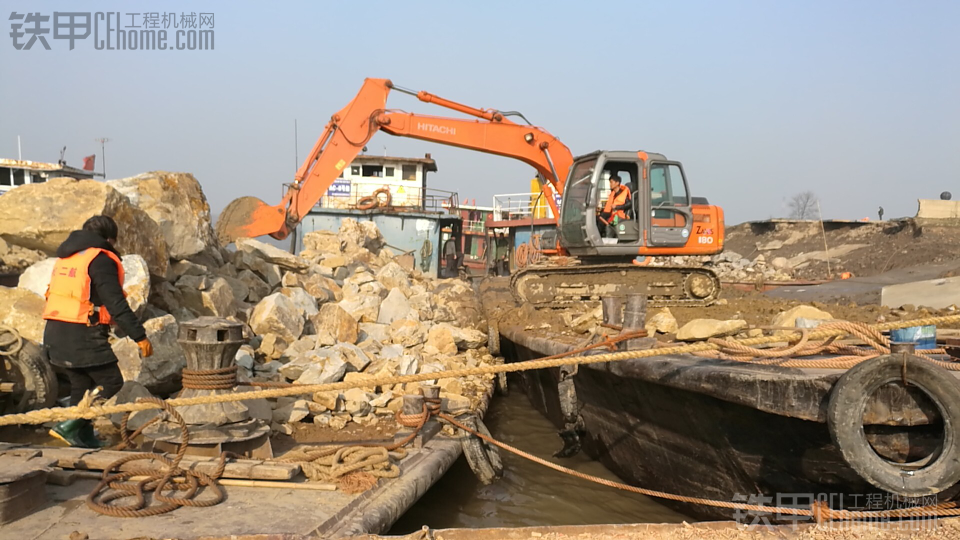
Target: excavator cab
[{"x": 662, "y": 216}]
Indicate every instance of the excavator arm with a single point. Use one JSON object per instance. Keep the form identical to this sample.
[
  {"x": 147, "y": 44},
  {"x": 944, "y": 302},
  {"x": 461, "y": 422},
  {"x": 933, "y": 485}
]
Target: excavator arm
[{"x": 353, "y": 126}]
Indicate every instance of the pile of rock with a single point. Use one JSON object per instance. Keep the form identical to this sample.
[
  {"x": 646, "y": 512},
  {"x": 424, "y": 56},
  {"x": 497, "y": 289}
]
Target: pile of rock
[
  {"x": 14, "y": 259},
  {"x": 731, "y": 266},
  {"x": 663, "y": 322},
  {"x": 343, "y": 309}
]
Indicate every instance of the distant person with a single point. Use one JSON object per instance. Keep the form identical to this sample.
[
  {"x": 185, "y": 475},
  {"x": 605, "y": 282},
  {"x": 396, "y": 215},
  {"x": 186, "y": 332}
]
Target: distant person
[
  {"x": 881, "y": 213},
  {"x": 84, "y": 298},
  {"x": 618, "y": 202}
]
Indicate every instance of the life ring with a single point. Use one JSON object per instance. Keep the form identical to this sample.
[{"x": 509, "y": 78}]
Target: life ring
[
  {"x": 373, "y": 200},
  {"x": 483, "y": 457},
  {"x": 848, "y": 400}
]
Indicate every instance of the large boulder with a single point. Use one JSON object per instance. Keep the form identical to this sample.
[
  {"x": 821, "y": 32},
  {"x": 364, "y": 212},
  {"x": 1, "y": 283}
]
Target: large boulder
[
  {"x": 161, "y": 372},
  {"x": 393, "y": 276},
  {"x": 466, "y": 338},
  {"x": 395, "y": 306},
  {"x": 663, "y": 321},
  {"x": 700, "y": 329},
  {"x": 455, "y": 302},
  {"x": 789, "y": 317},
  {"x": 41, "y": 216},
  {"x": 22, "y": 310},
  {"x": 362, "y": 308},
  {"x": 257, "y": 288},
  {"x": 271, "y": 254},
  {"x": 323, "y": 242},
  {"x": 333, "y": 325},
  {"x": 407, "y": 332},
  {"x": 440, "y": 341},
  {"x": 176, "y": 203},
  {"x": 15, "y": 258},
  {"x": 136, "y": 281},
  {"x": 269, "y": 272},
  {"x": 354, "y": 235},
  {"x": 277, "y": 314},
  {"x": 213, "y": 297},
  {"x": 302, "y": 299}
]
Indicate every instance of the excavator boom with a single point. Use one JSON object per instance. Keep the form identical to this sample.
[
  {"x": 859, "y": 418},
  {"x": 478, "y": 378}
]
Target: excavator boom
[{"x": 353, "y": 126}]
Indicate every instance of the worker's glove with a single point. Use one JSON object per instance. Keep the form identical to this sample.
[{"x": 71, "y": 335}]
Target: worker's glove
[{"x": 146, "y": 348}]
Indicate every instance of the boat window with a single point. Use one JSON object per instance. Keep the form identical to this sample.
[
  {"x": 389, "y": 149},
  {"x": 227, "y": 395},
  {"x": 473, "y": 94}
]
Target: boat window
[
  {"x": 19, "y": 177},
  {"x": 375, "y": 171},
  {"x": 6, "y": 177},
  {"x": 409, "y": 172}
]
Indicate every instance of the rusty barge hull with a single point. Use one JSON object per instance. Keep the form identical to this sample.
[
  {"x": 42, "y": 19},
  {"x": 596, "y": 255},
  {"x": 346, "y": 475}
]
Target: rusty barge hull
[{"x": 716, "y": 429}]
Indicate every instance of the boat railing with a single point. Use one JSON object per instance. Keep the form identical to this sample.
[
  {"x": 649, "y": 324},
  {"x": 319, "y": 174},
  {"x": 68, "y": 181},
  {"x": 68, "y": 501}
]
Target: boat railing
[
  {"x": 511, "y": 206},
  {"x": 347, "y": 194}
]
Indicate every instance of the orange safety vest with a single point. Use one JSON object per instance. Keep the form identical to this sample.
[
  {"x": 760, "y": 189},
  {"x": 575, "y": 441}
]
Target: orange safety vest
[
  {"x": 617, "y": 198},
  {"x": 68, "y": 295}
]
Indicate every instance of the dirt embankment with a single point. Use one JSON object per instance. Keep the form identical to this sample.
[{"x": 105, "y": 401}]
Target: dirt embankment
[{"x": 862, "y": 248}]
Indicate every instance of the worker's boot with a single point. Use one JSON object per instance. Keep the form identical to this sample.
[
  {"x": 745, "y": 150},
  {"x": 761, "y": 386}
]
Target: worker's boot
[{"x": 77, "y": 432}]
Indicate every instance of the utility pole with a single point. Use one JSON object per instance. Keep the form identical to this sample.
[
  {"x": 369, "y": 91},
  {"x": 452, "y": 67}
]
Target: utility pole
[
  {"x": 19, "y": 150},
  {"x": 103, "y": 155}
]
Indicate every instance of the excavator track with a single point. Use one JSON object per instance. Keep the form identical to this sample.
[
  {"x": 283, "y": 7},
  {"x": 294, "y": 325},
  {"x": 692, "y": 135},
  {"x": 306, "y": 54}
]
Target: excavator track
[{"x": 665, "y": 286}]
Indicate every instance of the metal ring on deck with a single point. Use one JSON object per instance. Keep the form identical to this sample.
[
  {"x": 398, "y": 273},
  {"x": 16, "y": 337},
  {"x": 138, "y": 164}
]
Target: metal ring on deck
[{"x": 848, "y": 401}]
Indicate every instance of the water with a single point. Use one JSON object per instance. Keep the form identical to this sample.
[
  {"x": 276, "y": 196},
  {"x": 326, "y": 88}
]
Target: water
[{"x": 528, "y": 494}]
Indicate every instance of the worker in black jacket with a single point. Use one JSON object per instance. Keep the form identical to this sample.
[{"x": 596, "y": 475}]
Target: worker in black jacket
[{"x": 84, "y": 297}]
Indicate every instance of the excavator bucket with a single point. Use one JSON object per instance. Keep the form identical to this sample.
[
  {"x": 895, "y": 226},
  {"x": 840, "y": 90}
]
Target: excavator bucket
[{"x": 249, "y": 217}]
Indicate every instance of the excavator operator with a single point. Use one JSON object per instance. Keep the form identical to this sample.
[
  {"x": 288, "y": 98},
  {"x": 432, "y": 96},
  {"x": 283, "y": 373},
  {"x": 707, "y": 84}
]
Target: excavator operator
[{"x": 618, "y": 202}]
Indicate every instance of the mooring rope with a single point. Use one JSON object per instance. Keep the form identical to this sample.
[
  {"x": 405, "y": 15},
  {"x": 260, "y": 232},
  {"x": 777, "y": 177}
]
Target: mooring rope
[
  {"x": 819, "y": 510},
  {"x": 41, "y": 416}
]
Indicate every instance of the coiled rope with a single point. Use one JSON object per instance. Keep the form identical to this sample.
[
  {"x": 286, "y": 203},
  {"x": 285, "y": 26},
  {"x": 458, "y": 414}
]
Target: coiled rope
[
  {"x": 10, "y": 341},
  {"x": 115, "y": 486},
  {"x": 848, "y": 355}
]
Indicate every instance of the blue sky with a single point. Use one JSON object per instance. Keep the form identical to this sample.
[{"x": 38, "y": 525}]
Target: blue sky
[{"x": 856, "y": 101}]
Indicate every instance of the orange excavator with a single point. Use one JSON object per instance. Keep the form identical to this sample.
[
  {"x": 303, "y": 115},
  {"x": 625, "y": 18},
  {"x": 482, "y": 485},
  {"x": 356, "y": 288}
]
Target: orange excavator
[{"x": 662, "y": 218}]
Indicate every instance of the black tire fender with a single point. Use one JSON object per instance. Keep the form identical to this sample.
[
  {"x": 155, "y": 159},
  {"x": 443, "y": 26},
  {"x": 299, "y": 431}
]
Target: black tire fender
[
  {"x": 848, "y": 401},
  {"x": 484, "y": 458},
  {"x": 36, "y": 381}
]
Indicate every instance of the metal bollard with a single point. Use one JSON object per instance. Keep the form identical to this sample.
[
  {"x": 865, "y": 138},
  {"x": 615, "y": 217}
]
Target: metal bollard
[
  {"x": 905, "y": 347},
  {"x": 634, "y": 318},
  {"x": 612, "y": 310},
  {"x": 210, "y": 346}
]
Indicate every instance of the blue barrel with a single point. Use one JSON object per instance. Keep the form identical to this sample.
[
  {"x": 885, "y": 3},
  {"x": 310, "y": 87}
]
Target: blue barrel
[{"x": 924, "y": 336}]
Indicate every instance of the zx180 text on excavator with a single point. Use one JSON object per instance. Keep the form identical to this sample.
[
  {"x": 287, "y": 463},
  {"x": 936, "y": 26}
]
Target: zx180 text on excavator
[{"x": 661, "y": 218}]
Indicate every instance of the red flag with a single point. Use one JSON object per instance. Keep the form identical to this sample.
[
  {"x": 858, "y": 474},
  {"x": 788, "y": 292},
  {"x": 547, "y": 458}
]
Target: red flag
[{"x": 88, "y": 162}]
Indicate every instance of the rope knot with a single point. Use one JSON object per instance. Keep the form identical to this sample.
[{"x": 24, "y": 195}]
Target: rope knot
[
  {"x": 210, "y": 379},
  {"x": 821, "y": 512}
]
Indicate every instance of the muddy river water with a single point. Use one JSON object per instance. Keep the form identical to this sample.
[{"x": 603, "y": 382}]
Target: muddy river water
[{"x": 528, "y": 494}]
